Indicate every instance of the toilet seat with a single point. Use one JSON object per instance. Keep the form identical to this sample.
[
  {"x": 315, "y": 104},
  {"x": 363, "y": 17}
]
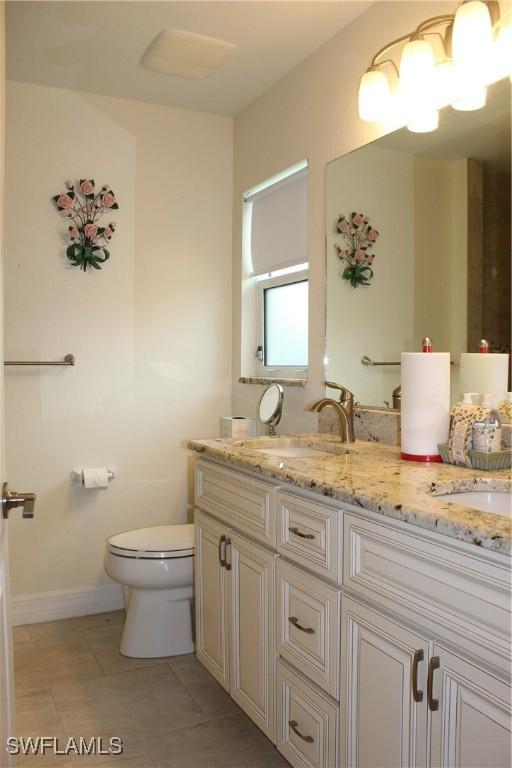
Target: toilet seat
[{"x": 158, "y": 542}]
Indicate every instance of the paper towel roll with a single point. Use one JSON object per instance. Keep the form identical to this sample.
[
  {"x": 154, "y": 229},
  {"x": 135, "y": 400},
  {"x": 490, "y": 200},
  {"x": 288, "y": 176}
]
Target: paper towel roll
[
  {"x": 95, "y": 477},
  {"x": 425, "y": 412},
  {"x": 484, "y": 373}
]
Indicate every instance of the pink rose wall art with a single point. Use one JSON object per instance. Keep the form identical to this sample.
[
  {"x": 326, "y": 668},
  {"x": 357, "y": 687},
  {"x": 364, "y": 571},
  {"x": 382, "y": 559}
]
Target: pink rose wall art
[
  {"x": 83, "y": 206},
  {"x": 359, "y": 237}
]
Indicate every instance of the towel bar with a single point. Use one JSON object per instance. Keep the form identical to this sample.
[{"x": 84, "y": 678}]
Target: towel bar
[{"x": 68, "y": 360}]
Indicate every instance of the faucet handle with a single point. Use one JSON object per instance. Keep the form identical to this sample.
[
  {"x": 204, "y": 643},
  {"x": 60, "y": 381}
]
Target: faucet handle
[{"x": 345, "y": 394}]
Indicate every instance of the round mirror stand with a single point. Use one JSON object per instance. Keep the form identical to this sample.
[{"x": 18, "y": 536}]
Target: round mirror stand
[{"x": 270, "y": 407}]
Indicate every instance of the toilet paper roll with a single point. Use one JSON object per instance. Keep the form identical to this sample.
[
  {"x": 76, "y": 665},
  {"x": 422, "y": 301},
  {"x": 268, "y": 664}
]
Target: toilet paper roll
[
  {"x": 484, "y": 373},
  {"x": 425, "y": 412},
  {"x": 95, "y": 477}
]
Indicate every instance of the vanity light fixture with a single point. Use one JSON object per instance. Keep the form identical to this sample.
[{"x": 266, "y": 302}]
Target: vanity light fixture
[{"x": 447, "y": 59}]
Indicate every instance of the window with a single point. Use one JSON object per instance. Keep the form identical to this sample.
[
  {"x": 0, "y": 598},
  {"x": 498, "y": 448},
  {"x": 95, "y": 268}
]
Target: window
[{"x": 275, "y": 238}]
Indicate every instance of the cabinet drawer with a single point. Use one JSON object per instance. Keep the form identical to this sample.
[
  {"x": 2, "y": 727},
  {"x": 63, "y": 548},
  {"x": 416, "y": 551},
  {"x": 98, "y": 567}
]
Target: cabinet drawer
[
  {"x": 307, "y": 722},
  {"x": 243, "y": 502},
  {"x": 308, "y": 622},
  {"x": 309, "y": 534},
  {"x": 431, "y": 583}
]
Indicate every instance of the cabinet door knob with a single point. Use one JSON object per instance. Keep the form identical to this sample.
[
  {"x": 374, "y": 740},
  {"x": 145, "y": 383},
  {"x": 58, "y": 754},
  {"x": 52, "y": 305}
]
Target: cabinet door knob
[
  {"x": 294, "y": 620},
  {"x": 297, "y": 532},
  {"x": 293, "y": 725},
  {"x": 418, "y": 656},
  {"x": 222, "y": 551},
  {"x": 433, "y": 665}
]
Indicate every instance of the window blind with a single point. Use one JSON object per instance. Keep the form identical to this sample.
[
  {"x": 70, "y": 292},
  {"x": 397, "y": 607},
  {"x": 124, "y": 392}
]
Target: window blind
[{"x": 279, "y": 224}]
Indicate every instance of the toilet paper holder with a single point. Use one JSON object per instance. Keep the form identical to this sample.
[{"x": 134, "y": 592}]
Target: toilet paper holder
[{"x": 78, "y": 474}]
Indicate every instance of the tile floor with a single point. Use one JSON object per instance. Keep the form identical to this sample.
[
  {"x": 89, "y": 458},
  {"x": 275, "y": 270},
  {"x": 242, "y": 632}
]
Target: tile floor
[{"x": 71, "y": 680}]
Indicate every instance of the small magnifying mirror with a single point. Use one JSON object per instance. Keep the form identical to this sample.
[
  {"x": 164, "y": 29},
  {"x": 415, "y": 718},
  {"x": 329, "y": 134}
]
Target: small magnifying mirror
[{"x": 271, "y": 407}]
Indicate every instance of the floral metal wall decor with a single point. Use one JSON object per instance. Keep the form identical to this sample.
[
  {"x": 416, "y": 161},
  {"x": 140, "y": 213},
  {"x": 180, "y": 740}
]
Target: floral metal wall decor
[
  {"x": 359, "y": 238},
  {"x": 84, "y": 206}
]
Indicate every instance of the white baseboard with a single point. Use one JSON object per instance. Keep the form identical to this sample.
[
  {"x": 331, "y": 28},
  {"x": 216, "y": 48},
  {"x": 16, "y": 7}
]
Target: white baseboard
[{"x": 65, "y": 603}]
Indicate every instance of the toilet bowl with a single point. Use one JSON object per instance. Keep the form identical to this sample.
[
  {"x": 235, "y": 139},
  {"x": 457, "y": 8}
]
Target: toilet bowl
[{"x": 155, "y": 566}]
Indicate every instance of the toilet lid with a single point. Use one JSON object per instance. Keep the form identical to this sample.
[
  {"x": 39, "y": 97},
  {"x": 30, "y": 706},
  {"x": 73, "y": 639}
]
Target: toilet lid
[{"x": 156, "y": 541}]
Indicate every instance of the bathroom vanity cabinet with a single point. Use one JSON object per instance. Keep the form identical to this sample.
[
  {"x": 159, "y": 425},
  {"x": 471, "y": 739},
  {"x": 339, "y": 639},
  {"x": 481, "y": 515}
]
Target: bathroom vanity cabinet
[{"x": 351, "y": 639}]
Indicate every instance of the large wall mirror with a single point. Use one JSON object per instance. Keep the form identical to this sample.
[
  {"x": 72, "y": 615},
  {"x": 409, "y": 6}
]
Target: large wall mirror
[{"x": 440, "y": 203}]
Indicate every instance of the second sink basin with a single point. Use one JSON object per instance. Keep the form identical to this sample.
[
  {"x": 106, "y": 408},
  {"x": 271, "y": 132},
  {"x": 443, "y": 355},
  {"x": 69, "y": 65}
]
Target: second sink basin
[{"x": 484, "y": 501}]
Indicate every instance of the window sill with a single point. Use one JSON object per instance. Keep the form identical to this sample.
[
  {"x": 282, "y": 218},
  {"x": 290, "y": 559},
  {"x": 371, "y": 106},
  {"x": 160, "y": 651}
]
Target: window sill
[{"x": 270, "y": 380}]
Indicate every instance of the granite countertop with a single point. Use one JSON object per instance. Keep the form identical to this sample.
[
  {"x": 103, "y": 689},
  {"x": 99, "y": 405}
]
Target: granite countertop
[{"x": 373, "y": 476}]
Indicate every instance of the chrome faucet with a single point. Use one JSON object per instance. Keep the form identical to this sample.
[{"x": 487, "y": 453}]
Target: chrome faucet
[{"x": 344, "y": 408}]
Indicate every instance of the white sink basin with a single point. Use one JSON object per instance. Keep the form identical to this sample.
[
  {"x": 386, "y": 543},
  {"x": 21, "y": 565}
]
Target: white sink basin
[
  {"x": 295, "y": 452},
  {"x": 485, "y": 501},
  {"x": 296, "y": 447}
]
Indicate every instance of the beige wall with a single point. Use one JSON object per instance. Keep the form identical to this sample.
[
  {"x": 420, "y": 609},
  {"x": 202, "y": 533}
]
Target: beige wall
[
  {"x": 311, "y": 113},
  {"x": 151, "y": 332}
]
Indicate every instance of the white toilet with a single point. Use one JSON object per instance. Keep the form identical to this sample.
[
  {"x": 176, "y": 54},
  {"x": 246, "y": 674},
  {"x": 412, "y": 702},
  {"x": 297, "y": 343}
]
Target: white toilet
[{"x": 155, "y": 566}]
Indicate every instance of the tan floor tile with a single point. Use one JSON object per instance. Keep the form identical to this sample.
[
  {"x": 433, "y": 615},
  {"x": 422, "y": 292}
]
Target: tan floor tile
[
  {"x": 140, "y": 702},
  {"x": 54, "y": 630},
  {"x": 75, "y": 627},
  {"x": 38, "y": 663},
  {"x": 230, "y": 742},
  {"x": 210, "y": 696},
  {"x": 36, "y": 715},
  {"x": 20, "y": 634},
  {"x": 105, "y": 648}
]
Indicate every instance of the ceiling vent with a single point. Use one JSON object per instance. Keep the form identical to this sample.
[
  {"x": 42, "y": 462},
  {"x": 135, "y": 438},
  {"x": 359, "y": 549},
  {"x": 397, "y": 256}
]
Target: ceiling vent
[{"x": 185, "y": 54}]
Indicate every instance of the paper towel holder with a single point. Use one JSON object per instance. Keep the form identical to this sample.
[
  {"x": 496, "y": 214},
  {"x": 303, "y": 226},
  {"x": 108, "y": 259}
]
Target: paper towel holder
[{"x": 78, "y": 474}]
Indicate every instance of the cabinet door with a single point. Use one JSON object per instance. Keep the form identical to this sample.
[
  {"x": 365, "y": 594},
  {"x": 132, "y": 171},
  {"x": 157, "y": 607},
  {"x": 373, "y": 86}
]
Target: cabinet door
[
  {"x": 382, "y": 726},
  {"x": 211, "y": 598},
  {"x": 471, "y": 726},
  {"x": 252, "y": 630}
]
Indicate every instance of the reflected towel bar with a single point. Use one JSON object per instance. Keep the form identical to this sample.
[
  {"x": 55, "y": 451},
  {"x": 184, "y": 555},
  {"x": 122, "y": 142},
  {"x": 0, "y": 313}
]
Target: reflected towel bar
[
  {"x": 368, "y": 361},
  {"x": 68, "y": 360}
]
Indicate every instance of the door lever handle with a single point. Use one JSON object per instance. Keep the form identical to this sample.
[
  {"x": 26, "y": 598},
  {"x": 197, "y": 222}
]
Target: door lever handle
[{"x": 14, "y": 499}]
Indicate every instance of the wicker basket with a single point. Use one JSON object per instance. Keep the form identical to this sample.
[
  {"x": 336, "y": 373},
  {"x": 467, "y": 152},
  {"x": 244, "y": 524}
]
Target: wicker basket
[{"x": 489, "y": 462}]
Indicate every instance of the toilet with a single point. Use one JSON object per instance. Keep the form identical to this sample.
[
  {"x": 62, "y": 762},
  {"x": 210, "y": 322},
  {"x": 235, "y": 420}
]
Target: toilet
[{"x": 155, "y": 566}]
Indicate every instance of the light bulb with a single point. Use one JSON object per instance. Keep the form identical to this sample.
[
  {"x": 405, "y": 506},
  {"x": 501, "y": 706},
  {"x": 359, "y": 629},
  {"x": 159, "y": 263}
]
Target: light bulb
[
  {"x": 417, "y": 78},
  {"x": 374, "y": 96},
  {"x": 474, "y": 99},
  {"x": 503, "y": 49},
  {"x": 472, "y": 42},
  {"x": 446, "y": 84},
  {"x": 424, "y": 122}
]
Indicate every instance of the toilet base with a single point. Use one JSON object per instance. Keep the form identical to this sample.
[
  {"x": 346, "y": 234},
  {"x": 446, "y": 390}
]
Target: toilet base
[{"x": 158, "y": 623}]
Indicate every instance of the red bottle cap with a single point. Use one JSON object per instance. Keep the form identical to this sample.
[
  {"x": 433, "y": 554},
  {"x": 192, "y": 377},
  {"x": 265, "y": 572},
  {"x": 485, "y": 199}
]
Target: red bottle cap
[{"x": 426, "y": 345}]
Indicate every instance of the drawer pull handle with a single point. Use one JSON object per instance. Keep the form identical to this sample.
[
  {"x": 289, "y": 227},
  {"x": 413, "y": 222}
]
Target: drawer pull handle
[
  {"x": 228, "y": 554},
  {"x": 433, "y": 665},
  {"x": 296, "y": 531},
  {"x": 418, "y": 656},
  {"x": 293, "y": 725},
  {"x": 222, "y": 551},
  {"x": 294, "y": 620}
]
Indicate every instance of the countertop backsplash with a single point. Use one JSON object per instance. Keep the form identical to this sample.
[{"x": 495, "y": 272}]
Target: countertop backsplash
[{"x": 381, "y": 426}]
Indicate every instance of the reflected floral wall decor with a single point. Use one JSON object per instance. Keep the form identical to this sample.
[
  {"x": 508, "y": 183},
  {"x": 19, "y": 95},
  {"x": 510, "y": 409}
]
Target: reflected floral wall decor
[
  {"x": 359, "y": 237},
  {"x": 83, "y": 207}
]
